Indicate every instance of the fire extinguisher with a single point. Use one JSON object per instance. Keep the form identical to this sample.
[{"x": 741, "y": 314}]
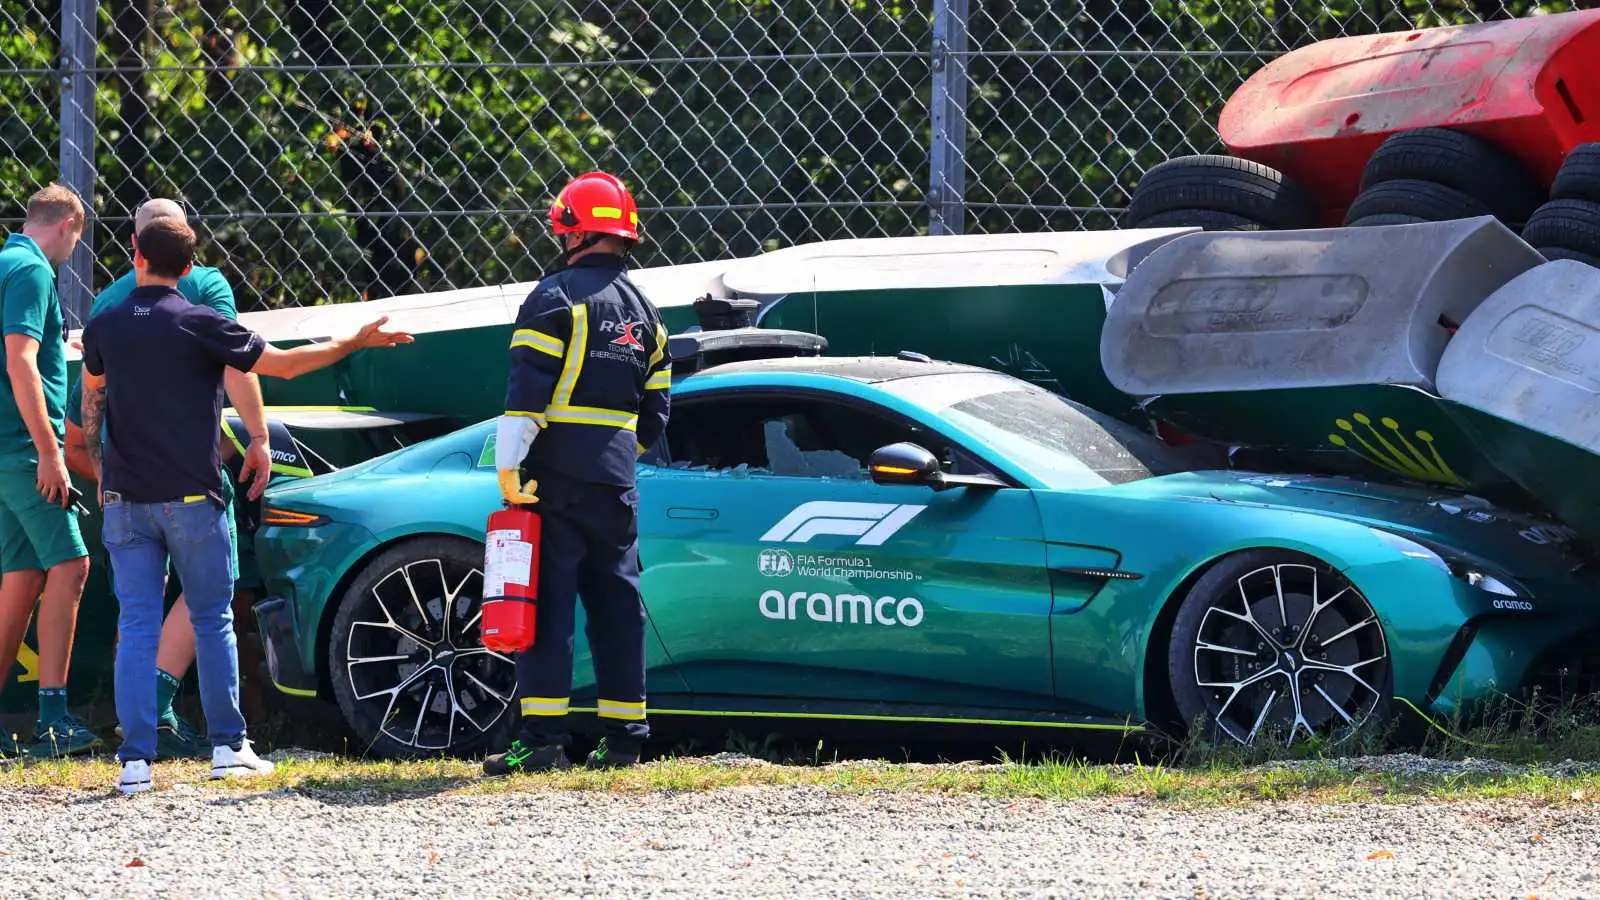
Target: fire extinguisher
[{"x": 510, "y": 579}]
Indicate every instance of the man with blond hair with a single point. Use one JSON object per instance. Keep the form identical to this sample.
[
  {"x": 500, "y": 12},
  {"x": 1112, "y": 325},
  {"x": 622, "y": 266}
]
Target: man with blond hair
[
  {"x": 202, "y": 286},
  {"x": 41, "y": 548}
]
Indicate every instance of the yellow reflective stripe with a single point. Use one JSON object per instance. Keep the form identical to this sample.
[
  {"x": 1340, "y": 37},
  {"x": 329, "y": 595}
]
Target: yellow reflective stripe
[
  {"x": 606, "y": 212},
  {"x": 194, "y": 498},
  {"x": 620, "y": 709},
  {"x": 294, "y": 692},
  {"x": 227, "y": 431},
  {"x": 660, "y": 381},
  {"x": 641, "y": 448},
  {"x": 538, "y": 418},
  {"x": 590, "y": 415},
  {"x": 544, "y": 706},
  {"x": 1128, "y": 728},
  {"x": 661, "y": 346},
  {"x": 576, "y": 351},
  {"x": 538, "y": 340}
]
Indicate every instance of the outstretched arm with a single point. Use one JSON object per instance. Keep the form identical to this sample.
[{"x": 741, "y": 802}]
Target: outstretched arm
[{"x": 280, "y": 363}]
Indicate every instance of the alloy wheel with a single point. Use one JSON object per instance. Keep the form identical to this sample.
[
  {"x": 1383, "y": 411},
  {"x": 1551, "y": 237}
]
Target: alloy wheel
[
  {"x": 415, "y": 654},
  {"x": 1296, "y": 649}
]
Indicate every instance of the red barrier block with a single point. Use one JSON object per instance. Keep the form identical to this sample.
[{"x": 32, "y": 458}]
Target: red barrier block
[{"x": 1530, "y": 85}]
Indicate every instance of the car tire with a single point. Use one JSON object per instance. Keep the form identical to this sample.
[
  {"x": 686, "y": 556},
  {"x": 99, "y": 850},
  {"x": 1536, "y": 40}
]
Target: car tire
[
  {"x": 1384, "y": 219},
  {"x": 1425, "y": 200},
  {"x": 1579, "y": 175},
  {"x": 1460, "y": 161},
  {"x": 1567, "y": 225},
  {"x": 1204, "y": 219},
  {"x": 405, "y": 642},
  {"x": 1554, "y": 253},
  {"x": 1232, "y": 660},
  {"x": 1221, "y": 184}
]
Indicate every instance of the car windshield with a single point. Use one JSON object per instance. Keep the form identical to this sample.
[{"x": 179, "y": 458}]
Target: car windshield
[{"x": 1065, "y": 444}]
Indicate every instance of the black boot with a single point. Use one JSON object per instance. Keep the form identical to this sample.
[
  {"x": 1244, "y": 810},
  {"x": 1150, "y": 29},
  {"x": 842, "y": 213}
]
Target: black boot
[
  {"x": 520, "y": 757},
  {"x": 606, "y": 757}
]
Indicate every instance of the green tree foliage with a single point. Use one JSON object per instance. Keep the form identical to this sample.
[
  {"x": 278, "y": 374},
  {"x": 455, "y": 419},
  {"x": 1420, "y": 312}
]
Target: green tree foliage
[{"x": 332, "y": 151}]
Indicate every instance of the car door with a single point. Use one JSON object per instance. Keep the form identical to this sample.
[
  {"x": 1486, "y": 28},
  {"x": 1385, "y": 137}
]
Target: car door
[{"x": 780, "y": 569}]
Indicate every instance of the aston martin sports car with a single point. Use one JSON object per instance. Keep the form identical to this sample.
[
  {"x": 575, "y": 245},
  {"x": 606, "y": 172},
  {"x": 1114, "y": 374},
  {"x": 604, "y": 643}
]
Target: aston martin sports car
[{"x": 903, "y": 541}]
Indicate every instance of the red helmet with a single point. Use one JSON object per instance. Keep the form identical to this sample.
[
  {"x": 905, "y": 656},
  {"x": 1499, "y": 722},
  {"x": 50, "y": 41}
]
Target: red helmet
[{"x": 595, "y": 202}]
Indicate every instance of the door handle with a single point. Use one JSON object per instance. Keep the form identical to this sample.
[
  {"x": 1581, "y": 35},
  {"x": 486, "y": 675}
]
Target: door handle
[{"x": 690, "y": 512}]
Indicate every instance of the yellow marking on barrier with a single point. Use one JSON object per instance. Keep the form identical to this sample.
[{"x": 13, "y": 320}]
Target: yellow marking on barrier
[
  {"x": 1384, "y": 450},
  {"x": 29, "y": 660}
]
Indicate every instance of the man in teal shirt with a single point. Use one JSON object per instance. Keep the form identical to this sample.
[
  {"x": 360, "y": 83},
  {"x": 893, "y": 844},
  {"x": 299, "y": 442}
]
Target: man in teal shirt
[
  {"x": 203, "y": 286},
  {"x": 41, "y": 549}
]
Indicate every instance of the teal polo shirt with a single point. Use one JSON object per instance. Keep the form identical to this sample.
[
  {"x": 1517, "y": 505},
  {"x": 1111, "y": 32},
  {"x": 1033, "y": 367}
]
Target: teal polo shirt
[
  {"x": 29, "y": 305},
  {"x": 203, "y": 286}
]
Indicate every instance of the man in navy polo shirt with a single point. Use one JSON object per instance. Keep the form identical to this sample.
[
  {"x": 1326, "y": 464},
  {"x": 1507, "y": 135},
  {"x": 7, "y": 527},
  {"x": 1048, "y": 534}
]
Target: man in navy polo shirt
[{"x": 161, "y": 484}]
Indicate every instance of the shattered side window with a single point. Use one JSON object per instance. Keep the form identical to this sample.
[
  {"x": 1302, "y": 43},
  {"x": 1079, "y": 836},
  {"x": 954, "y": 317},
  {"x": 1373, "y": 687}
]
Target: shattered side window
[
  {"x": 789, "y": 436},
  {"x": 786, "y": 457}
]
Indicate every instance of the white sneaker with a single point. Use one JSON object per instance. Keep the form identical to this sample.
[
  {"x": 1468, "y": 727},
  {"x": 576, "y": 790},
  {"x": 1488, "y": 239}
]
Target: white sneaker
[
  {"x": 135, "y": 778},
  {"x": 226, "y": 762}
]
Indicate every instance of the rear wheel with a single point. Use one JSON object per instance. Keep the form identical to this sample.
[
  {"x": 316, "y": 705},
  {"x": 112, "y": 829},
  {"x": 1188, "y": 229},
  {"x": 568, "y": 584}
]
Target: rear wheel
[
  {"x": 405, "y": 658},
  {"x": 1271, "y": 645}
]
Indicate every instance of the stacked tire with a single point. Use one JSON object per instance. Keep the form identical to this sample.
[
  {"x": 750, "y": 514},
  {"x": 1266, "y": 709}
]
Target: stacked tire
[
  {"x": 1218, "y": 193},
  {"x": 1568, "y": 226},
  {"x": 1436, "y": 175}
]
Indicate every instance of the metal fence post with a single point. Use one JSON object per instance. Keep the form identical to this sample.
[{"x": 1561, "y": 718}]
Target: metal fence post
[
  {"x": 78, "y": 40},
  {"x": 947, "y": 181}
]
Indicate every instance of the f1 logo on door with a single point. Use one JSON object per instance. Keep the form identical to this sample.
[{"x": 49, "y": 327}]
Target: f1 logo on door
[{"x": 873, "y": 522}]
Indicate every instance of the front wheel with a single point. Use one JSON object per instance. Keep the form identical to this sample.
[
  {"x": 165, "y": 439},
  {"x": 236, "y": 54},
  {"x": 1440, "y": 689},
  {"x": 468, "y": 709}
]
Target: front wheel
[
  {"x": 408, "y": 669},
  {"x": 1270, "y": 643}
]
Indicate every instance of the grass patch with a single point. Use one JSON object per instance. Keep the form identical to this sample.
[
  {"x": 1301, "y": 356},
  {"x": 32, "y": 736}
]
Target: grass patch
[{"x": 343, "y": 780}]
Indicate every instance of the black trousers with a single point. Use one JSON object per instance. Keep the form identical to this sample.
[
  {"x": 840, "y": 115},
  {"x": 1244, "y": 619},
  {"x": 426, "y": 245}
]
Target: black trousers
[{"x": 589, "y": 549}]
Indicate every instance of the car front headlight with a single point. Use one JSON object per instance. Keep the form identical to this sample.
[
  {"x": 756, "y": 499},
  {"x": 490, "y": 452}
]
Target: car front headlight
[
  {"x": 1461, "y": 568},
  {"x": 1489, "y": 583}
]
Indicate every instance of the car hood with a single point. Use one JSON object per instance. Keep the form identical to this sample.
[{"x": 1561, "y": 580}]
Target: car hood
[{"x": 1521, "y": 544}]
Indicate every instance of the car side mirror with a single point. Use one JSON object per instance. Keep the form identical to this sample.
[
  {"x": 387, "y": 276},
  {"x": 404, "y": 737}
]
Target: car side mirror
[{"x": 904, "y": 463}]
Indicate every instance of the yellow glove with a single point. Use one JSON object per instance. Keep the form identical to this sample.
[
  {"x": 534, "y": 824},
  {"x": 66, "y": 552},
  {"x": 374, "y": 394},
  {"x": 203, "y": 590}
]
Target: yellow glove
[{"x": 517, "y": 495}]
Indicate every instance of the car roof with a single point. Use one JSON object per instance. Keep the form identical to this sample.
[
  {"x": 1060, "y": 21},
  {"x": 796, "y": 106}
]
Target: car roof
[{"x": 866, "y": 369}]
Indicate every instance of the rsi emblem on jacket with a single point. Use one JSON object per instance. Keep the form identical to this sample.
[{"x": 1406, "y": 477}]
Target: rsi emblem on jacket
[{"x": 628, "y": 346}]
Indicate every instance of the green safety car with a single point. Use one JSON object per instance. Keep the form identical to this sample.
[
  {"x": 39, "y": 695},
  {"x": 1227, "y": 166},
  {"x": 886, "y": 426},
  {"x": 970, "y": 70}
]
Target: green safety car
[{"x": 895, "y": 541}]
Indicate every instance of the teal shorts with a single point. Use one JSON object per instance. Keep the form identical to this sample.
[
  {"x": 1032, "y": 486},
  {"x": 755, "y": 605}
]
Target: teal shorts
[{"x": 34, "y": 534}]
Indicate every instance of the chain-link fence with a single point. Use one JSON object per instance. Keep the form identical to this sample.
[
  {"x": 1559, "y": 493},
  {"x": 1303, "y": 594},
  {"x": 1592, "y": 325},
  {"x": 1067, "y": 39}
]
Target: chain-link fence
[{"x": 330, "y": 151}]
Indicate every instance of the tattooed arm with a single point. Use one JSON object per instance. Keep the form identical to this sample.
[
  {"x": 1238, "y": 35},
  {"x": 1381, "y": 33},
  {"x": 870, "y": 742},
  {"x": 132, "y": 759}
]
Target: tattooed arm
[{"x": 94, "y": 414}]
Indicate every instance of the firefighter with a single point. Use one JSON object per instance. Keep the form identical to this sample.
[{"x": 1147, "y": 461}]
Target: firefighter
[{"x": 587, "y": 393}]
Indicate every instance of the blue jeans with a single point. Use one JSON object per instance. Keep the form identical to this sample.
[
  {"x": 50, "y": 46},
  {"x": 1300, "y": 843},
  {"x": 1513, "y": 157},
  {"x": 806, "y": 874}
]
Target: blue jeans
[{"x": 140, "y": 537}]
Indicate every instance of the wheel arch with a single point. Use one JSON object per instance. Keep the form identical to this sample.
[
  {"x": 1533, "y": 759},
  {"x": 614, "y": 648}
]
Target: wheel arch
[
  {"x": 1160, "y": 704},
  {"x": 330, "y": 609}
]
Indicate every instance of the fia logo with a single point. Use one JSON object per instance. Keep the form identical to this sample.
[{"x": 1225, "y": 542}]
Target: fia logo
[
  {"x": 873, "y": 522},
  {"x": 775, "y": 563}
]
